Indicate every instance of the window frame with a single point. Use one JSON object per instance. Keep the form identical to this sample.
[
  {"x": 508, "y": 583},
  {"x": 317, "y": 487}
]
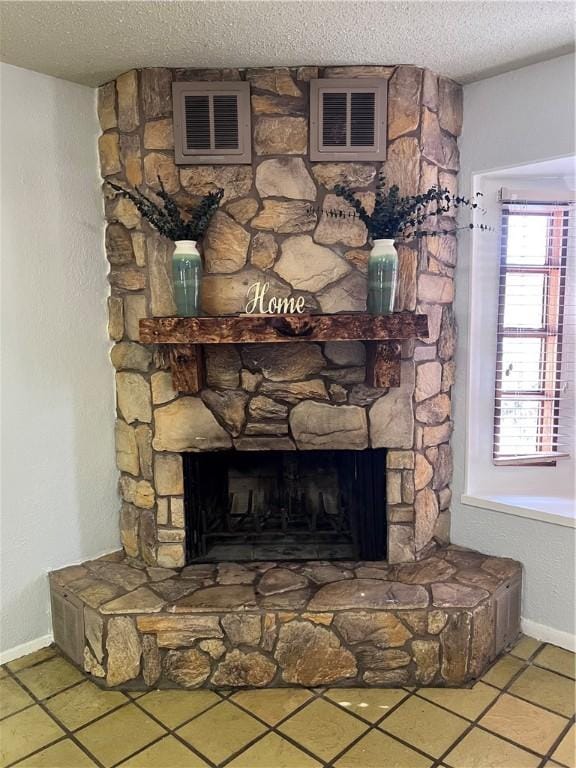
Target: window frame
[{"x": 551, "y": 333}]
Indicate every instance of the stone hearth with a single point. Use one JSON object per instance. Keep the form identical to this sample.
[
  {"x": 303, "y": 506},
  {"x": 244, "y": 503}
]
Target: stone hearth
[{"x": 437, "y": 622}]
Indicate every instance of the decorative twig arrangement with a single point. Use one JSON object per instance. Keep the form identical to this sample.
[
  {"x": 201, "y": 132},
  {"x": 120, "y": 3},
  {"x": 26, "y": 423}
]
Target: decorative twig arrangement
[
  {"x": 168, "y": 219},
  {"x": 401, "y": 218}
]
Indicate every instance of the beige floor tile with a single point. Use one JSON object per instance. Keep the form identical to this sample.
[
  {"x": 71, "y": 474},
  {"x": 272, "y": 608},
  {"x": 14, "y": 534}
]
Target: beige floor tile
[
  {"x": 551, "y": 764},
  {"x": 557, "y": 659},
  {"x": 49, "y": 677},
  {"x": 25, "y": 732},
  {"x": 525, "y": 647},
  {"x": 524, "y": 723},
  {"x": 119, "y": 734},
  {"x": 64, "y": 754},
  {"x": 369, "y": 703},
  {"x": 467, "y": 702},
  {"x": 176, "y": 707},
  {"x": 168, "y": 753},
  {"x": 32, "y": 658},
  {"x": 221, "y": 732},
  {"x": 3, "y": 672},
  {"x": 272, "y": 705},
  {"x": 479, "y": 749},
  {"x": 324, "y": 729},
  {"x": 565, "y": 752},
  {"x": 546, "y": 689},
  {"x": 13, "y": 698},
  {"x": 83, "y": 703},
  {"x": 503, "y": 671},
  {"x": 376, "y": 750},
  {"x": 273, "y": 752},
  {"x": 135, "y": 694},
  {"x": 424, "y": 725}
]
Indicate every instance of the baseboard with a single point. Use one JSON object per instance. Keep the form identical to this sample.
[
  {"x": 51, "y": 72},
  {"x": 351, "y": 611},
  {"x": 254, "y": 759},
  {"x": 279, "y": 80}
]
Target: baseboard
[
  {"x": 25, "y": 648},
  {"x": 549, "y": 634}
]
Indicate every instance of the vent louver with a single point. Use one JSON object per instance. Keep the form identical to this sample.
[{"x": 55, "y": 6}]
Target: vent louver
[
  {"x": 212, "y": 123},
  {"x": 348, "y": 119}
]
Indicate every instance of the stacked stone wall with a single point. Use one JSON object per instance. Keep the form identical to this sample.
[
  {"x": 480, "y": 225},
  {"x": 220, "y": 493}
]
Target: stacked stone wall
[{"x": 293, "y": 396}]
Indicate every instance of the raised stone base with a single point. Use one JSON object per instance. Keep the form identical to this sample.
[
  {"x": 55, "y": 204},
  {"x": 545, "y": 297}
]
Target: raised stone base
[{"x": 438, "y": 622}]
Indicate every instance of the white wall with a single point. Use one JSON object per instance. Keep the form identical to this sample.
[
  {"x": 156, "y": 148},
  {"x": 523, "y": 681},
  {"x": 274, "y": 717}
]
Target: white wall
[
  {"x": 59, "y": 502},
  {"x": 518, "y": 118}
]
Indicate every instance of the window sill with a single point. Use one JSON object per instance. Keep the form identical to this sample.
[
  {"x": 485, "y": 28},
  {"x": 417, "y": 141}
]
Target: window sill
[{"x": 547, "y": 509}]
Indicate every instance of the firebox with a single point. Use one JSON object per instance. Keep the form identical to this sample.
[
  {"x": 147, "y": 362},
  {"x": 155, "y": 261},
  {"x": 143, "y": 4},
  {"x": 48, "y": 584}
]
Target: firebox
[{"x": 289, "y": 505}]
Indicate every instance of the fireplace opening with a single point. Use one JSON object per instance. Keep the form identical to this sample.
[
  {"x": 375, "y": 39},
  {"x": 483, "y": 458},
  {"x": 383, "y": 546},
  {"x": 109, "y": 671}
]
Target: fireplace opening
[{"x": 289, "y": 505}]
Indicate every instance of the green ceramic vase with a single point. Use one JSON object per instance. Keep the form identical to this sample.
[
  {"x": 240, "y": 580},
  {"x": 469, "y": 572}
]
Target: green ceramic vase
[
  {"x": 382, "y": 271},
  {"x": 186, "y": 276}
]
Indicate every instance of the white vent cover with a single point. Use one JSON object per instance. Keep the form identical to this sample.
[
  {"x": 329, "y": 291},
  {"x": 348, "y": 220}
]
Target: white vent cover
[
  {"x": 211, "y": 123},
  {"x": 348, "y": 119}
]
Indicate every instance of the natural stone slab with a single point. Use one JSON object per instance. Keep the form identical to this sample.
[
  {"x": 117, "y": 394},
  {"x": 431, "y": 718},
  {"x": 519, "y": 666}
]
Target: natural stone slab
[
  {"x": 264, "y": 444},
  {"x": 158, "y": 165},
  {"x": 281, "y": 136},
  {"x": 404, "y": 101},
  {"x": 233, "y": 597},
  {"x": 131, "y": 157},
  {"x": 244, "y": 669},
  {"x": 313, "y": 389},
  {"x": 455, "y": 640},
  {"x": 115, "y": 318},
  {"x": 144, "y": 441},
  {"x": 235, "y": 573},
  {"x": 502, "y": 567},
  {"x": 156, "y": 91},
  {"x": 214, "y": 648},
  {"x": 151, "y": 664},
  {"x": 124, "y": 651},
  {"x": 94, "y": 592},
  {"x": 352, "y": 175},
  {"x": 228, "y": 407},
  {"x": 93, "y": 632},
  {"x": 222, "y": 366},
  {"x": 276, "y": 80},
  {"x": 225, "y": 245},
  {"x": 109, "y": 152},
  {"x": 264, "y": 104},
  {"x": 381, "y": 629},
  {"x": 138, "y": 492},
  {"x": 132, "y": 356},
  {"x": 428, "y": 382},
  {"x": 422, "y": 473},
  {"x": 483, "y": 640},
  {"x": 426, "y": 514},
  {"x": 187, "y": 424},
  {"x": 129, "y": 520},
  {"x": 262, "y": 407},
  {"x": 426, "y": 655},
  {"x": 289, "y": 601},
  {"x": 285, "y": 217},
  {"x": 188, "y": 668},
  {"x": 402, "y": 165},
  {"x": 117, "y": 573},
  {"x": 347, "y": 295},
  {"x": 392, "y": 416},
  {"x": 285, "y": 362},
  {"x": 242, "y": 629},
  {"x": 119, "y": 247},
  {"x": 323, "y": 574},
  {"x": 374, "y": 658},
  {"x": 173, "y": 589},
  {"x": 450, "y": 108},
  {"x": 107, "y": 106},
  {"x": 435, "y": 289},
  {"x": 126, "y": 448},
  {"x": 235, "y": 180},
  {"x": 425, "y": 572},
  {"x": 348, "y": 230},
  {"x": 309, "y": 654},
  {"x": 278, "y": 580},
  {"x": 368, "y": 593},
  {"x": 160, "y": 271},
  {"x": 359, "y": 70},
  {"x": 307, "y": 266},
  {"x": 264, "y": 250},
  {"x": 159, "y": 134},
  {"x": 285, "y": 177},
  {"x": 243, "y": 210},
  {"x": 168, "y": 476},
  {"x": 449, "y": 595},
  {"x": 141, "y": 600},
  {"x": 90, "y": 665},
  {"x": 320, "y": 425},
  {"x": 393, "y": 677},
  {"x": 345, "y": 352},
  {"x": 199, "y": 626},
  {"x": 127, "y": 278}
]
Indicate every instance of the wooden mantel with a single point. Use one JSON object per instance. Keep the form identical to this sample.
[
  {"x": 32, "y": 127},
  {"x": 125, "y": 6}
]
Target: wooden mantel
[{"x": 185, "y": 335}]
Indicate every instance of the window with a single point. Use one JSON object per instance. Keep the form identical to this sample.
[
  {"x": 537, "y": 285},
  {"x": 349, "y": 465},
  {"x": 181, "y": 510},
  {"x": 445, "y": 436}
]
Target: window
[
  {"x": 348, "y": 119},
  {"x": 212, "y": 123},
  {"x": 532, "y": 368}
]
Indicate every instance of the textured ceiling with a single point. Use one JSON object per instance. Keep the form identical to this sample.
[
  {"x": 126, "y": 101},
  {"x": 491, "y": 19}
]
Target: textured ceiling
[{"x": 91, "y": 41}]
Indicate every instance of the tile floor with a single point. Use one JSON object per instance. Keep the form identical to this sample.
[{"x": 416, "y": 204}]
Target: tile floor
[{"x": 520, "y": 715}]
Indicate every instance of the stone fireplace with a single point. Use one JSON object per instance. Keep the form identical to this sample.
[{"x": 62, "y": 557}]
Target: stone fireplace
[{"x": 375, "y": 590}]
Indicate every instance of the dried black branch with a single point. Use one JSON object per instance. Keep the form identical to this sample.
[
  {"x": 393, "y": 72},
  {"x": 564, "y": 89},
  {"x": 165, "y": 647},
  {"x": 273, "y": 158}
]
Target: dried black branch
[
  {"x": 402, "y": 218},
  {"x": 168, "y": 219}
]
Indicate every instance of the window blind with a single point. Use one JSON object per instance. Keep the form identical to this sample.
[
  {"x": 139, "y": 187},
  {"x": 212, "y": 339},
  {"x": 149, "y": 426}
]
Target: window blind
[{"x": 534, "y": 388}]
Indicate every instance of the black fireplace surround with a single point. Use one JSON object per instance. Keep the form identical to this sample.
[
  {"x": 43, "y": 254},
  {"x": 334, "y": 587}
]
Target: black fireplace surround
[{"x": 289, "y": 505}]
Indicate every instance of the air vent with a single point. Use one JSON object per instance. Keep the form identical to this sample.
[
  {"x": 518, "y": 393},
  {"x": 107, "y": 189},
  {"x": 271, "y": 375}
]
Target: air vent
[
  {"x": 212, "y": 123},
  {"x": 348, "y": 119}
]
